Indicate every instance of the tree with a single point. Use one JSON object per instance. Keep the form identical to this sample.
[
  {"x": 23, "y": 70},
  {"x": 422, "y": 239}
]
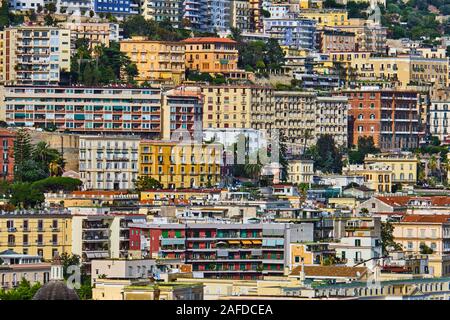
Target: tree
[
  {"x": 326, "y": 155},
  {"x": 283, "y": 157},
  {"x": 366, "y": 146},
  {"x": 24, "y": 291},
  {"x": 22, "y": 152},
  {"x": 424, "y": 249},
  {"x": 69, "y": 260},
  {"x": 387, "y": 238},
  {"x": 147, "y": 183}
]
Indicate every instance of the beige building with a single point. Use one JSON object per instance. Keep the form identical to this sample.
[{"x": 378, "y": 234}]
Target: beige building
[
  {"x": 35, "y": 54},
  {"x": 377, "y": 176},
  {"x": 156, "y": 61},
  {"x": 403, "y": 165},
  {"x": 403, "y": 70},
  {"x": 100, "y": 33},
  {"x": 331, "y": 118},
  {"x": 430, "y": 230},
  {"x": 300, "y": 171},
  {"x": 108, "y": 162}
]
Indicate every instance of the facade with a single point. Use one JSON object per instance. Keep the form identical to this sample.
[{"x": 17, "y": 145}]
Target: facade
[
  {"x": 115, "y": 110},
  {"x": 7, "y": 139},
  {"x": 223, "y": 250},
  {"x": 95, "y": 33},
  {"x": 156, "y": 61},
  {"x": 404, "y": 70},
  {"x": 35, "y": 55},
  {"x": 301, "y": 171},
  {"x": 108, "y": 162},
  {"x": 292, "y": 31},
  {"x": 369, "y": 37},
  {"x": 120, "y": 9},
  {"x": 182, "y": 114},
  {"x": 180, "y": 164},
  {"x": 327, "y": 17},
  {"x": 389, "y": 116},
  {"x": 377, "y": 176},
  {"x": 404, "y": 166},
  {"x": 163, "y": 10},
  {"x": 213, "y": 55},
  {"x": 332, "y": 40},
  {"x": 439, "y": 113},
  {"x": 240, "y": 15},
  {"x": 332, "y": 118},
  {"x": 432, "y": 230},
  {"x": 16, "y": 267},
  {"x": 42, "y": 234}
]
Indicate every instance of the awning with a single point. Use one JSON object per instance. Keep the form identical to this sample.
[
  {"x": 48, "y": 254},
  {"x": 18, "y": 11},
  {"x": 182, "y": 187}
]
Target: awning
[
  {"x": 233, "y": 242},
  {"x": 256, "y": 241},
  {"x": 246, "y": 242},
  {"x": 169, "y": 241},
  {"x": 269, "y": 242}
]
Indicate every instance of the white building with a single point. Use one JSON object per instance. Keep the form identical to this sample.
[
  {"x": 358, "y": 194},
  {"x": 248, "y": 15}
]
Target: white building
[
  {"x": 109, "y": 162},
  {"x": 24, "y": 5},
  {"x": 300, "y": 171},
  {"x": 439, "y": 119}
]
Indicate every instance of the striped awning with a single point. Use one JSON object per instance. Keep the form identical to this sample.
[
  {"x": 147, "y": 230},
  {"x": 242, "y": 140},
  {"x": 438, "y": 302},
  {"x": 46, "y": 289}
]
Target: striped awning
[{"x": 246, "y": 242}]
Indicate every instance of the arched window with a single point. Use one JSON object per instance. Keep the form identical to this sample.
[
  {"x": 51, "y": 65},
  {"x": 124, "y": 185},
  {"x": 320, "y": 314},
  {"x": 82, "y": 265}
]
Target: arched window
[
  {"x": 402, "y": 176},
  {"x": 360, "y": 116},
  {"x": 372, "y": 116}
]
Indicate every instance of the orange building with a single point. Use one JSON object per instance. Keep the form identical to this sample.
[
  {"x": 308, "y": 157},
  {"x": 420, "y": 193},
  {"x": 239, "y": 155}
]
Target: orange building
[
  {"x": 213, "y": 55},
  {"x": 391, "y": 117}
]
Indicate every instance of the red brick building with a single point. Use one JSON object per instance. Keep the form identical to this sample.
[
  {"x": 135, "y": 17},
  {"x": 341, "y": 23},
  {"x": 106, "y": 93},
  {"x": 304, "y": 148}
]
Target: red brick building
[
  {"x": 391, "y": 117},
  {"x": 7, "y": 154}
]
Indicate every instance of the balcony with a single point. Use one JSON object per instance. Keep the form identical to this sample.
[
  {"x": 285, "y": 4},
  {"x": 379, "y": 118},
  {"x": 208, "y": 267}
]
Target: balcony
[{"x": 12, "y": 229}]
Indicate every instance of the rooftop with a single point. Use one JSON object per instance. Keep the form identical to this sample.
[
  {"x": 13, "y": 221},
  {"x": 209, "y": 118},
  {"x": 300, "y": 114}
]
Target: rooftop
[{"x": 331, "y": 271}]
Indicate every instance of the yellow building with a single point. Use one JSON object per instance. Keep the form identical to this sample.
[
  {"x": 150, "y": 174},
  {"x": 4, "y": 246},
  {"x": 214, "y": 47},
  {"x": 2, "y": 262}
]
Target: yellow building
[
  {"x": 403, "y": 70},
  {"x": 327, "y": 17},
  {"x": 416, "y": 230},
  {"x": 403, "y": 165},
  {"x": 164, "y": 291},
  {"x": 156, "y": 61},
  {"x": 308, "y": 254},
  {"x": 213, "y": 55},
  {"x": 95, "y": 33},
  {"x": 377, "y": 176},
  {"x": 36, "y": 234},
  {"x": 300, "y": 171},
  {"x": 309, "y": 4},
  {"x": 180, "y": 164}
]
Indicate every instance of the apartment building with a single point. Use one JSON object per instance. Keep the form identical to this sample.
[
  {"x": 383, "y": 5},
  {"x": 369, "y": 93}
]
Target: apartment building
[
  {"x": 108, "y": 162},
  {"x": 119, "y": 9},
  {"x": 369, "y": 37},
  {"x": 327, "y": 17},
  {"x": 222, "y": 250},
  {"x": 403, "y": 164},
  {"x": 7, "y": 139},
  {"x": 180, "y": 164},
  {"x": 156, "y": 61},
  {"x": 439, "y": 114},
  {"x": 292, "y": 31},
  {"x": 182, "y": 113},
  {"x": 40, "y": 233},
  {"x": 96, "y": 34},
  {"x": 227, "y": 106},
  {"x": 404, "y": 70},
  {"x": 16, "y": 266},
  {"x": 389, "y": 116},
  {"x": 361, "y": 243},
  {"x": 213, "y": 55},
  {"x": 332, "y": 118},
  {"x": 414, "y": 231},
  {"x": 336, "y": 41},
  {"x": 377, "y": 176},
  {"x": 300, "y": 171},
  {"x": 102, "y": 236},
  {"x": 35, "y": 55},
  {"x": 207, "y": 15},
  {"x": 163, "y": 10},
  {"x": 240, "y": 13},
  {"x": 88, "y": 110}
]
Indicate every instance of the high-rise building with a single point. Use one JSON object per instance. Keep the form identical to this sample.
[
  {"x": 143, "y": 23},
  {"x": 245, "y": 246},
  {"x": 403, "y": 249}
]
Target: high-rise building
[
  {"x": 108, "y": 162},
  {"x": 35, "y": 55},
  {"x": 156, "y": 61},
  {"x": 115, "y": 110}
]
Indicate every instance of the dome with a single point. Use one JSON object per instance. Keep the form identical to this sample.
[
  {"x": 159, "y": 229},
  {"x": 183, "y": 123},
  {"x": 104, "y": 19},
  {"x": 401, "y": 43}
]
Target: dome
[{"x": 55, "y": 290}]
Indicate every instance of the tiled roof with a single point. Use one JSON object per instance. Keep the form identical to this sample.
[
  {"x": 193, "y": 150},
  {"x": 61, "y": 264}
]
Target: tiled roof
[
  {"x": 331, "y": 271},
  {"x": 99, "y": 193},
  {"x": 209, "y": 39},
  {"x": 402, "y": 201},
  {"x": 427, "y": 218},
  {"x": 397, "y": 201}
]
